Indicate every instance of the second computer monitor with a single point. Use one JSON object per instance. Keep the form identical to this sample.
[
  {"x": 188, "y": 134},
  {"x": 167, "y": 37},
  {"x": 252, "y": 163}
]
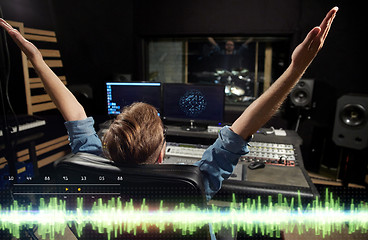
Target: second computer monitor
[
  {"x": 121, "y": 94},
  {"x": 198, "y": 103}
]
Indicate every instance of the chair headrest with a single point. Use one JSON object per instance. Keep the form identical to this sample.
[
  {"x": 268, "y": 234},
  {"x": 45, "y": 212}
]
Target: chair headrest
[{"x": 152, "y": 176}]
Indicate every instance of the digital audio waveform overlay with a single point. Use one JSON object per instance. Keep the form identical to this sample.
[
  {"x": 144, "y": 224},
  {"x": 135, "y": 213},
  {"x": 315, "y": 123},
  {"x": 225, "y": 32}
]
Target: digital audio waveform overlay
[{"x": 115, "y": 217}]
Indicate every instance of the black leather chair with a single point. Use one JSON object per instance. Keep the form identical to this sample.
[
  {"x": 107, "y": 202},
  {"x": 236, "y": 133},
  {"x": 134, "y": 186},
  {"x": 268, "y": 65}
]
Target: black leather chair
[{"x": 172, "y": 184}]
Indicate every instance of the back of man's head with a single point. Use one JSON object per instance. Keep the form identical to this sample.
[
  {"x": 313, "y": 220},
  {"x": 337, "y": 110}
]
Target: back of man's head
[{"x": 135, "y": 136}]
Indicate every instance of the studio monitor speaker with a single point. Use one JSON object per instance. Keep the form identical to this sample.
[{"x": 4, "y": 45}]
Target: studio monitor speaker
[
  {"x": 351, "y": 122},
  {"x": 301, "y": 94},
  {"x": 84, "y": 90}
]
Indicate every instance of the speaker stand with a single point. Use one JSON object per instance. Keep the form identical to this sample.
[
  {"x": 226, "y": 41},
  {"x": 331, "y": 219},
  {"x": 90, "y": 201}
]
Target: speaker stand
[
  {"x": 297, "y": 123},
  {"x": 352, "y": 166},
  {"x": 300, "y": 114}
]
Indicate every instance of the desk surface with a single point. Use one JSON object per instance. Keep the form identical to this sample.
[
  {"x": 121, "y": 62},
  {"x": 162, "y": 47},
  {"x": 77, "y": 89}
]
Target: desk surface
[
  {"x": 273, "y": 179},
  {"x": 291, "y": 136},
  {"x": 289, "y": 176}
]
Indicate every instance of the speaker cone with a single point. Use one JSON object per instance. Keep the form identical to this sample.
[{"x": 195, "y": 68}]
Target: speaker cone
[
  {"x": 353, "y": 115},
  {"x": 300, "y": 97}
]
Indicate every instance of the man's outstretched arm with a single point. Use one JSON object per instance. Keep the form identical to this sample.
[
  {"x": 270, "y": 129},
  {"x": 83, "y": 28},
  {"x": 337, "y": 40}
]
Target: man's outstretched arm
[
  {"x": 262, "y": 109},
  {"x": 64, "y": 100}
]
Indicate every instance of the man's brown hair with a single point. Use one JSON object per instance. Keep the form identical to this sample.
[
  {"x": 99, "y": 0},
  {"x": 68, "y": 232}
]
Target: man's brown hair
[{"x": 135, "y": 136}]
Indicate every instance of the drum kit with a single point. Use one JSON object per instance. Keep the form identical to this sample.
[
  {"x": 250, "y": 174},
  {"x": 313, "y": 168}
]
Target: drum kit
[{"x": 239, "y": 86}]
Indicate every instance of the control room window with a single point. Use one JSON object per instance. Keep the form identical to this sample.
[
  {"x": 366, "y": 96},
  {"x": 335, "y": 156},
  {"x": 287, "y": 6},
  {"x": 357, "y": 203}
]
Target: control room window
[{"x": 246, "y": 65}]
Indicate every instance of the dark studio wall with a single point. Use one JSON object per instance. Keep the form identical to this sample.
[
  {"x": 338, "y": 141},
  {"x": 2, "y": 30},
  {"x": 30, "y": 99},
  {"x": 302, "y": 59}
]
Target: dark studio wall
[
  {"x": 96, "y": 42},
  {"x": 220, "y": 17},
  {"x": 34, "y": 13},
  {"x": 28, "y": 12}
]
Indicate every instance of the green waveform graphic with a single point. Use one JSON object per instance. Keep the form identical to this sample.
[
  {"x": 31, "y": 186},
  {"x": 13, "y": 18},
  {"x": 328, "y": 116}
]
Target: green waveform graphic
[{"x": 115, "y": 217}]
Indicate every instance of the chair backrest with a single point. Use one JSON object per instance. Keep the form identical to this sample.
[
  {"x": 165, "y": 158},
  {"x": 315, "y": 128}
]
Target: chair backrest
[{"x": 168, "y": 184}]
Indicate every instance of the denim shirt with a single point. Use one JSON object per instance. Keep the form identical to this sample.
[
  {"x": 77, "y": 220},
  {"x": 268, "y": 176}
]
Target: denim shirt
[{"x": 216, "y": 165}]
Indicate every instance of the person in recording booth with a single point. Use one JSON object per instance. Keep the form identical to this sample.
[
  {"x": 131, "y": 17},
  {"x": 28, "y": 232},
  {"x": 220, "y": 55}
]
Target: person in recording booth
[
  {"x": 230, "y": 58},
  {"x": 229, "y": 47},
  {"x": 137, "y": 134}
]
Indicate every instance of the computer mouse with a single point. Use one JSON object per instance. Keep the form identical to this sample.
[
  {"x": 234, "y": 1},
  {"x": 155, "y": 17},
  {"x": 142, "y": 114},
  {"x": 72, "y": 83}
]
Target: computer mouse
[{"x": 256, "y": 165}]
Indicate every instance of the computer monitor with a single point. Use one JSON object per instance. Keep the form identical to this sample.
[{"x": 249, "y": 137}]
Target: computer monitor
[
  {"x": 193, "y": 103},
  {"x": 121, "y": 94}
]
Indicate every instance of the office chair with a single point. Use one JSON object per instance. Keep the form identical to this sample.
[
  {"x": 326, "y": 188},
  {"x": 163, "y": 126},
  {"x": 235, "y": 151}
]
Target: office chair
[{"x": 172, "y": 184}]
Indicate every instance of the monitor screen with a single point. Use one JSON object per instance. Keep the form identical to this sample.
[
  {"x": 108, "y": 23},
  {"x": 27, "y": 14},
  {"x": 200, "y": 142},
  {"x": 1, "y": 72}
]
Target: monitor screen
[
  {"x": 201, "y": 103},
  {"x": 121, "y": 94}
]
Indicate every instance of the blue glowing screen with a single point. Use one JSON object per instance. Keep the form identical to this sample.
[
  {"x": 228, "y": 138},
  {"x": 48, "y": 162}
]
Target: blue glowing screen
[
  {"x": 194, "y": 102},
  {"x": 121, "y": 94}
]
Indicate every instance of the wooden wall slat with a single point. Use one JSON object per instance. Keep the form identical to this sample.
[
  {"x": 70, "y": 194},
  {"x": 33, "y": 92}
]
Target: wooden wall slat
[
  {"x": 40, "y": 38},
  {"x": 52, "y": 158},
  {"x": 50, "y": 63},
  {"x": 40, "y": 32},
  {"x": 40, "y": 85},
  {"x": 38, "y": 80},
  {"x": 53, "y": 141},
  {"x": 50, "y": 53},
  {"x": 40, "y": 98},
  {"x": 23, "y": 155},
  {"x": 43, "y": 107}
]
